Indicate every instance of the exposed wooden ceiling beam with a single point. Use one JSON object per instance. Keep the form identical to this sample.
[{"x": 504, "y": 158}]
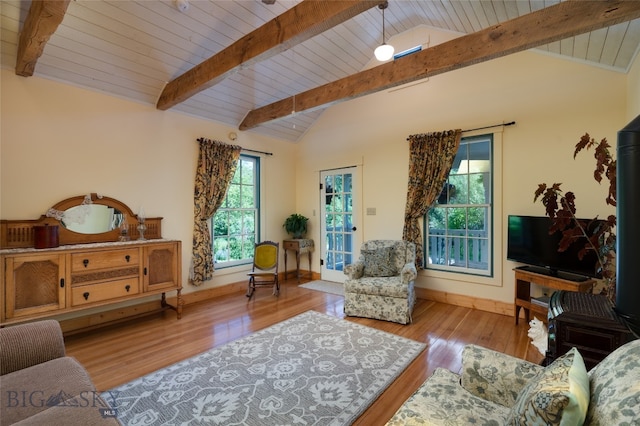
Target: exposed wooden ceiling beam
[
  {"x": 41, "y": 22},
  {"x": 544, "y": 26},
  {"x": 300, "y": 23}
]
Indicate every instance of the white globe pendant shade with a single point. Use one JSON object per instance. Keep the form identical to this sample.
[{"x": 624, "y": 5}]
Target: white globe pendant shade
[{"x": 384, "y": 52}]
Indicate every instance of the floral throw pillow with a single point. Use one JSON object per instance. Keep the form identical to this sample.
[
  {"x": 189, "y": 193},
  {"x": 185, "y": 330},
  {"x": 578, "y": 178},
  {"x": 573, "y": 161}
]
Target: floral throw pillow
[
  {"x": 380, "y": 262},
  {"x": 558, "y": 395}
]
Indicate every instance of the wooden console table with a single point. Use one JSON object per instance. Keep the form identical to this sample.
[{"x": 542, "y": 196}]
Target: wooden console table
[
  {"x": 300, "y": 246},
  {"x": 525, "y": 277}
]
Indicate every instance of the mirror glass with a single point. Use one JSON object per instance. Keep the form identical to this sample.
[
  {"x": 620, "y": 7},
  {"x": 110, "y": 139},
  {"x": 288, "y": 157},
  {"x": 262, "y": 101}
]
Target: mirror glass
[{"x": 92, "y": 218}]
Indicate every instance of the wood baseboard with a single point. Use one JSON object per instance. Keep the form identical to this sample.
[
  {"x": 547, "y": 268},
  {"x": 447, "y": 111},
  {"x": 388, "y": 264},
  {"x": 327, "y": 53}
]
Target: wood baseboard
[
  {"x": 487, "y": 305},
  {"x": 100, "y": 319}
]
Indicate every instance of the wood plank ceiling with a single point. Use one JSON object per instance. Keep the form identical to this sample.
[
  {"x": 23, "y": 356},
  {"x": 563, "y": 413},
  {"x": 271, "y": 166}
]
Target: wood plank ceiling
[{"x": 132, "y": 49}]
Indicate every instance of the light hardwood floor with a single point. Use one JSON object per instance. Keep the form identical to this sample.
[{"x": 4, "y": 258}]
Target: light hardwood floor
[{"x": 120, "y": 353}]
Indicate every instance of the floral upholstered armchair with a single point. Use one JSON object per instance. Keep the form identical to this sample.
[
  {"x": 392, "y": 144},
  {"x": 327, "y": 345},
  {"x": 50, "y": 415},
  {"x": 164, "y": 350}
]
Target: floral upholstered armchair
[
  {"x": 380, "y": 284},
  {"x": 498, "y": 389}
]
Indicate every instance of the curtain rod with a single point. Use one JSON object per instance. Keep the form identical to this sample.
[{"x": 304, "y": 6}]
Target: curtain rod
[
  {"x": 243, "y": 149},
  {"x": 511, "y": 123},
  {"x": 259, "y": 152}
]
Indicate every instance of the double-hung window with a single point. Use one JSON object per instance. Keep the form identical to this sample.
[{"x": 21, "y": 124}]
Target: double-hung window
[
  {"x": 235, "y": 225},
  {"x": 458, "y": 226}
]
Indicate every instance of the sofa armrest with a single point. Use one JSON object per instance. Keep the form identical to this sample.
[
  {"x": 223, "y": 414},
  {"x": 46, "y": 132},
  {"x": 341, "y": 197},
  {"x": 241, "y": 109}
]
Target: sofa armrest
[
  {"x": 408, "y": 273},
  {"x": 354, "y": 270},
  {"x": 24, "y": 345},
  {"x": 495, "y": 376}
]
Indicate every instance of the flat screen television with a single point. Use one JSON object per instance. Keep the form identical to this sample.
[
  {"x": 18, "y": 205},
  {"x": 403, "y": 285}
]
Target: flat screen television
[{"x": 529, "y": 242}]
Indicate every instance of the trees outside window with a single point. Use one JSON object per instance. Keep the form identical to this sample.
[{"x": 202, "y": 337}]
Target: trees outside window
[
  {"x": 235, "y": 225},
  {"x": 458, "y": 226}
]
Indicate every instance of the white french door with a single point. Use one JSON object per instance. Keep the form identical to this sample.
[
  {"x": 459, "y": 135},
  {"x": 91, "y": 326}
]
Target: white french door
[{"x": 340, "y": 207}]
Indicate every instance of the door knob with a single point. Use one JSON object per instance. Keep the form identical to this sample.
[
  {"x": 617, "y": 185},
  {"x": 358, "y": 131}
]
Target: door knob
[{"x": 354, "y": 228}]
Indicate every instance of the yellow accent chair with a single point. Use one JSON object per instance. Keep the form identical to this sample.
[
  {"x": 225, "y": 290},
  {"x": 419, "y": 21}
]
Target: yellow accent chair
[{"x": 265, "y": 267}]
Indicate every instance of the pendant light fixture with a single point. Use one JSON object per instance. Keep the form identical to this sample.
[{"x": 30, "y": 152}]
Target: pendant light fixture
[{"x": 384, "y": 52}]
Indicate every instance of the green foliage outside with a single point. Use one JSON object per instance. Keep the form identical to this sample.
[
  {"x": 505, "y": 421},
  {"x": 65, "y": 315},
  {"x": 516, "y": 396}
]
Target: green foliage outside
[{"x": 234, "y": 224}]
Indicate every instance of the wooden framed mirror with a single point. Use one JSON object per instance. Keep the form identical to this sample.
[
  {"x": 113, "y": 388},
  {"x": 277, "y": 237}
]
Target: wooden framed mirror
[{"x": 101, "y": 220}]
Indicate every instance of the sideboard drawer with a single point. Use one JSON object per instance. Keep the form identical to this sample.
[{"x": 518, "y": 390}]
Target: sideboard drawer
[
  {"x": 82, "y": 262},
  {"x": 93, "y": 293}
]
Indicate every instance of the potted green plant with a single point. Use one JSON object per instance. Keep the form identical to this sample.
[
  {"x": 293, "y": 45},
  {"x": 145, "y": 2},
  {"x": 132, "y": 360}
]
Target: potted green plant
[
  {"x": 560, "y": 207},
  {"x": 296, "y": 225}
]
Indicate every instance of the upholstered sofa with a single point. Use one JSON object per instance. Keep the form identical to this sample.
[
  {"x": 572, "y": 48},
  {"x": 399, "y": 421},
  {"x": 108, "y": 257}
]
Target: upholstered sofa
[
  {"x": 39, "y": 385},
  {"x": 497, "y": 389},
  {"x": 380, "y": 284}
]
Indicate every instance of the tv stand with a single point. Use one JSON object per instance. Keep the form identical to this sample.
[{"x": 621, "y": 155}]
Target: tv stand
[
  {"x": 525, "y": 276},
  {"x": 554, "y": 273}
]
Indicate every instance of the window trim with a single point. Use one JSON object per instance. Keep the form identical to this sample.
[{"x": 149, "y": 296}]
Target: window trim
[
  {"x": 258, "y": 223},
  {"x": 491, "y": 235}
]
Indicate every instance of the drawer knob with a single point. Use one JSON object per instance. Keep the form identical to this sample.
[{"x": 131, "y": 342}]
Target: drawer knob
[
  {"x": 127, "y": 287},
  {"x": 127, "y": 258},
  {"x": 85, "y": 295},
  {"x": 85, "y": 262}
]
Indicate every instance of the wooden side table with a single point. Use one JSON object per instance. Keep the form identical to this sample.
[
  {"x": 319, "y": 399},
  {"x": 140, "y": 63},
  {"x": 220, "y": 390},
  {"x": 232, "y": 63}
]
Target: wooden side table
[
  {"x": 300, "y": 246},
  {"x": 525, "y": 277}
]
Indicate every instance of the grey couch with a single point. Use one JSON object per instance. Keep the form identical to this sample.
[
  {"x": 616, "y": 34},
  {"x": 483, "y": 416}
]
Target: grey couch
[
  {"x": 497, "y": 389},
  {"x": 40, "y": 385}
]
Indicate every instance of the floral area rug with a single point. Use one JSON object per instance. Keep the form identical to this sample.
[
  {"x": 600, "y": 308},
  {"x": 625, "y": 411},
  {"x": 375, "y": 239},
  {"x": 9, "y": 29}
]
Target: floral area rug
[{"x": 312, "y": 369}]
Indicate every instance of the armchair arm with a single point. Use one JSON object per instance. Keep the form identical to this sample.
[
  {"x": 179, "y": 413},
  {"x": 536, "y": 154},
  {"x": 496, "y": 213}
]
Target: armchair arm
[
  {"x": 354, "y": 270},
  {"x": 408, "y": 273},
  {"x": 25, "y": 345},
  {"x": 495, "y": 376}
]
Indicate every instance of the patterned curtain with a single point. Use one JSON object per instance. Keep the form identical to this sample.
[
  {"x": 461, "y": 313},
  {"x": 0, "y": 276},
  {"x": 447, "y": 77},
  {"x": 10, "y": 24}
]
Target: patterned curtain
[
  {"x": 431, "y": 156},
  {"x": 217, "y": 164}
]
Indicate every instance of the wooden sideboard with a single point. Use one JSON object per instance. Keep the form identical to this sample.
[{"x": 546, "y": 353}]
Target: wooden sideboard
[{"x": 39, "y": 283}]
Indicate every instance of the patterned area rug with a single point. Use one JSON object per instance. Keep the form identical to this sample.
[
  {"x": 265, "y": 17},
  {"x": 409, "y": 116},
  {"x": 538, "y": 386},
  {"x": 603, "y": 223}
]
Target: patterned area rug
[
  {"x": 312, "y": 369},
  {"x": 325, "y": 286}
]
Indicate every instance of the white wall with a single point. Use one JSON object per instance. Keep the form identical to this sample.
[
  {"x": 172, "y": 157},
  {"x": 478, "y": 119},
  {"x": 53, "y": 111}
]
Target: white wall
[
  {"x": 59, "y": 141},
  {"x": 633, "y": 90},
  {"x": 554, "y": 102}
]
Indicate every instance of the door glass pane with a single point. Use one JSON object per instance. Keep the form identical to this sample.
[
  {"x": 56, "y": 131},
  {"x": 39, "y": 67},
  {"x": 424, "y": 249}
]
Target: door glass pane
[
  {"x": 339, "y": 242},
  {"x": 347, "y": 183},
  {"x": 338, "y": 183},
  {"x": 338, "y": 221},
  {"x": 339, "y": 262}
]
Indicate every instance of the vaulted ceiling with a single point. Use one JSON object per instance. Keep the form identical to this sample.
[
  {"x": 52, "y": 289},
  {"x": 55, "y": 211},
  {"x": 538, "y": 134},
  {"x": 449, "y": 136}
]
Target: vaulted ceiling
[{"x": 286, "y": 59}]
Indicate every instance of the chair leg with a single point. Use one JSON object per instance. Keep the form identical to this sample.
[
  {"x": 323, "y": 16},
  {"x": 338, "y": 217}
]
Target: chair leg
[
  {"x": 251, "y": 288},
  {"x": 276, "y": 287}
]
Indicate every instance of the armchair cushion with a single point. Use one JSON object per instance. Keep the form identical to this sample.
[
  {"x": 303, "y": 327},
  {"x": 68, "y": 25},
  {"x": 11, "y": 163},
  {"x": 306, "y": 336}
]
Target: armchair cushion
[
  {"x": 495, "y": 376},
  {"x": 354, "y": 270},
  {"x": 30, "y": 344},
  {"x": 379, "y": 262},
  {"x": 615, "y": 387},
  {"x": 29, "y": 391},
  {"x": 558, "y": 395},
  {"x": 442, "y": 401}
]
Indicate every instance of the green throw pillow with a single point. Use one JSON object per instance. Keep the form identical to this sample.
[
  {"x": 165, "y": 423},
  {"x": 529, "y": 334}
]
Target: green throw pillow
[
  {"x": 558, "y": 395},
  {"x": 379, "y": 262}
]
